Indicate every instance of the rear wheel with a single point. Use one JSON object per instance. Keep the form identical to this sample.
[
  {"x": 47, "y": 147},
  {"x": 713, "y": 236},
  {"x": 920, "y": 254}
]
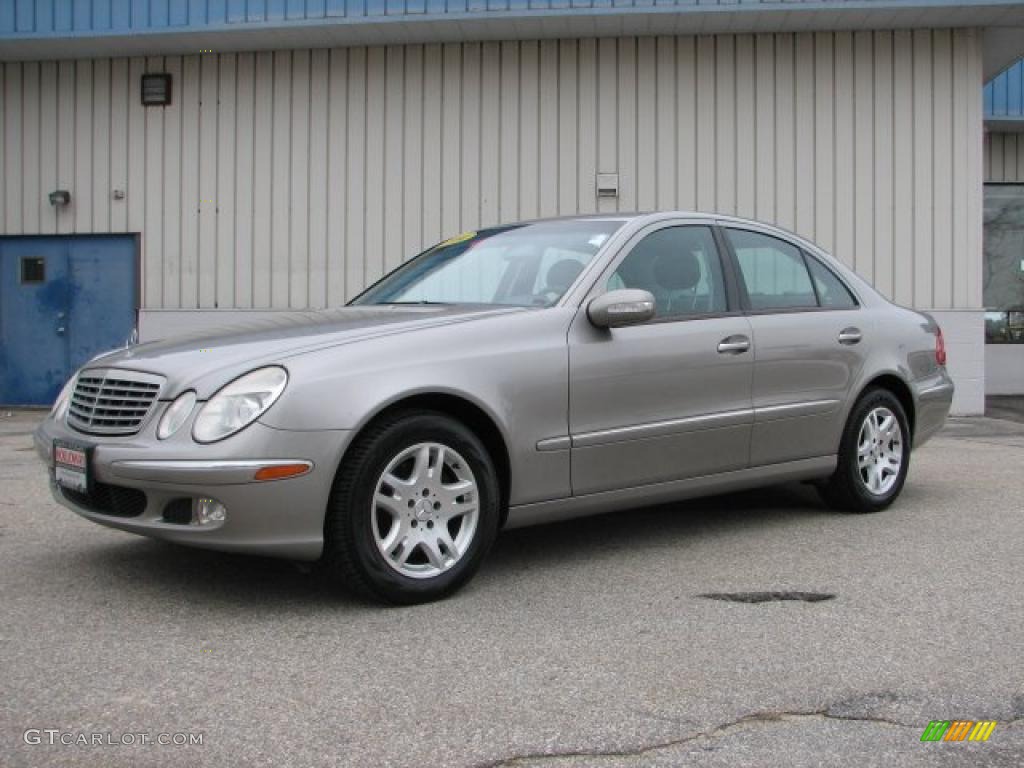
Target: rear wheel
[
  {"x": 874, "y": 455},
  {"x": 413, "y": 511}
]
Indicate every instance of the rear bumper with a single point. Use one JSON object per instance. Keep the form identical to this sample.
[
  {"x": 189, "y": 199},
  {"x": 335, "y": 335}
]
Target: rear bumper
[
  {"x": 280, "y": 518},
  {"x": 934, "y": 397}
]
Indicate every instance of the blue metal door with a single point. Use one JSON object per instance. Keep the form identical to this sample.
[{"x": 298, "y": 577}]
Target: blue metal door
[{"x": 63, "y": 300}]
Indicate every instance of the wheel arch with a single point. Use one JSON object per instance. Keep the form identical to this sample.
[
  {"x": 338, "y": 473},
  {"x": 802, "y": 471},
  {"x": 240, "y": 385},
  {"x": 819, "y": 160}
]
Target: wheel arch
[
  {"x": 465, "y": 411},
  {"x": 900, "y": 389}
]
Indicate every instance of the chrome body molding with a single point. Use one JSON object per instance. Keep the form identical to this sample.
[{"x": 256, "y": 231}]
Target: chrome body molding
[
  {"x": 791, "y": 410},
  {"x": 210, "y": 471},
  {"x": 660, "y": 428},
  {"x": 709, "y": 421},
  {"x": 560, "y": 443}
]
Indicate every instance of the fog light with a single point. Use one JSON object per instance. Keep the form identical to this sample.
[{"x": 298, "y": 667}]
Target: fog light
[{"x": 209, "y": 511}]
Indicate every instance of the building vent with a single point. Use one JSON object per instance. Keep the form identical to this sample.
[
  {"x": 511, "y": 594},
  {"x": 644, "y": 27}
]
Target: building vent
[
  {"x": 156, "y": 90},
  {"x": 607, "y": 185}
]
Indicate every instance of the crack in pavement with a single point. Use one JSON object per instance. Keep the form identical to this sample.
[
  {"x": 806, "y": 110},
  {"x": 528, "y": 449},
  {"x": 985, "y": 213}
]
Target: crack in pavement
[{"x": 713, "y": 733}]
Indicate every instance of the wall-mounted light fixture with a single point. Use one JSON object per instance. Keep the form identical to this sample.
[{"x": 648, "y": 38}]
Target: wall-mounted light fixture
[
  {"x": 156, "y": 90},
  {"x": 60, "y": 197}
]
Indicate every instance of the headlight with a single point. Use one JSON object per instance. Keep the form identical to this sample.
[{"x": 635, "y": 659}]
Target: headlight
[
  {"x": 60, "y": 405},
  {"x": 177, "y": 413},
  {"x": 239, "y": 404}
]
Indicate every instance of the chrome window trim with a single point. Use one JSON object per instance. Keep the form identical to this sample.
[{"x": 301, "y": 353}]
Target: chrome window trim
[{"x": 808, "y": 248}]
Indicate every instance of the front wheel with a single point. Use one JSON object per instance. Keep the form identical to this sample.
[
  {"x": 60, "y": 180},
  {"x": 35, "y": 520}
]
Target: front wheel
[
  {"x": 874, "y": 455},
  {"x": 413, "y": 511}
]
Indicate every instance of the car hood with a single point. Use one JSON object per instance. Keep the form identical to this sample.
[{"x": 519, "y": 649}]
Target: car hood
[{"x": 207, "y": 361}]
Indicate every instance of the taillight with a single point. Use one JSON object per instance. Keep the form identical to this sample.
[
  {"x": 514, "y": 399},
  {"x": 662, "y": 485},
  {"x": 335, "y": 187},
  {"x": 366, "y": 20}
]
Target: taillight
[{"x": 940, "y": 348}]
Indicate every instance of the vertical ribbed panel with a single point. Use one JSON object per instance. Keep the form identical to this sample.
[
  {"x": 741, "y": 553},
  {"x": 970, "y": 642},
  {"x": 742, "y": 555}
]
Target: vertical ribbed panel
[
  {"x": 1004, "y": 157},
  {"x": 1004, "y": 93},
  {"x": 295, "y": 178}
]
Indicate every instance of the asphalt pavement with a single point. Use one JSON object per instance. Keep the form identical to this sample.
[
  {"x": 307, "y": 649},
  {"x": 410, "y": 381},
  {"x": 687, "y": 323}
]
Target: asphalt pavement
[{"x": 585, "y": 643}]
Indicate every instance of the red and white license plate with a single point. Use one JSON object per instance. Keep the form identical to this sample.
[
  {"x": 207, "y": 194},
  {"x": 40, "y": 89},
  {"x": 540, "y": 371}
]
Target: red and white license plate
[{"x": 71, "y": 467}]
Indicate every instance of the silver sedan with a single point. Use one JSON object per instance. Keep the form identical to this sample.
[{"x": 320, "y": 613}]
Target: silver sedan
[{"x": 507, "y": 377}]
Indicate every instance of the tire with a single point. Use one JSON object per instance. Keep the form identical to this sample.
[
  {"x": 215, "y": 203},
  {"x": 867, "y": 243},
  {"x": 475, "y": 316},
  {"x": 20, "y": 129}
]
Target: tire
[
  {"x": 425, "y": 473},
  {"x": 873, "y": 487}
]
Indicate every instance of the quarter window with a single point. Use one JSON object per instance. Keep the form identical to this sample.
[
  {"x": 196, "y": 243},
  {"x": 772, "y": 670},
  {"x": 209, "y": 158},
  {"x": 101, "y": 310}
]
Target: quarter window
[
  {"x": 773, "y": 271},
  {"x": 831, "y": 291},
  {"x": 680, "y": 266}
]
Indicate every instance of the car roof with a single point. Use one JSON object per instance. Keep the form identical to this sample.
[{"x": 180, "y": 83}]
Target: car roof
[
  {"x": 633, "y": 216},
  {"x": 640, "y": 217}
]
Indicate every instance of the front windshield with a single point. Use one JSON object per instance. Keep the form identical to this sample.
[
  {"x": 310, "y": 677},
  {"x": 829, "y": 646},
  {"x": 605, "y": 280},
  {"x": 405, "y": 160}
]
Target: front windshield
[{"x": 528, "y": 265}]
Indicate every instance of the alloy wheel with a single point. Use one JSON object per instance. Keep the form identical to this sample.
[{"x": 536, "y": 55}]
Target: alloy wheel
[
  {"x": 880, "y": 451},
  {"x": 425, "y": 510}
]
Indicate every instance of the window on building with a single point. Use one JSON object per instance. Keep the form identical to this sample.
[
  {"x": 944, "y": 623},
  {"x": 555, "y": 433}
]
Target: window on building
[
  {"x": 33, "y": 270},
  {"x": 773, "y": 271},
  {"x": 680, "y": 266},
  {"x": 1003, "y": 271}
]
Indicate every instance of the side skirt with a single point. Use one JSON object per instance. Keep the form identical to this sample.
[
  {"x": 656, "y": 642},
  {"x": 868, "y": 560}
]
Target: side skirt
[{"x": 675, "y": 490}]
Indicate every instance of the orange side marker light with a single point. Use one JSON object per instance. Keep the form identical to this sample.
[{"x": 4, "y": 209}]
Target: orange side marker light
[{"x": 281, "y": 471}]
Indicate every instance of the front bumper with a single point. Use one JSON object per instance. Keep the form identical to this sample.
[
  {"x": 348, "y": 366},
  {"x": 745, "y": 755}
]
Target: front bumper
[{"x": 280, "y": 518}]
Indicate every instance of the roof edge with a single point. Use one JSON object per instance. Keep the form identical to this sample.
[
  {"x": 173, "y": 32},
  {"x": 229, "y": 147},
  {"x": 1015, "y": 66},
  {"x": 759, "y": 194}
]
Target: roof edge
[{"x": 771, "y": 16}]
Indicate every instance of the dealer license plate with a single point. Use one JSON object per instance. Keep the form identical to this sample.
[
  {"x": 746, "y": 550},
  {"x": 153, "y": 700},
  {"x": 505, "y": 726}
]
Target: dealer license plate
[{"x": 71, "y": 466}]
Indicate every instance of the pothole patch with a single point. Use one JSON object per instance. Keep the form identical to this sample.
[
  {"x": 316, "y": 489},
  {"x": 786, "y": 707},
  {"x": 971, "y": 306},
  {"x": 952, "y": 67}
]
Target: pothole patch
[{"x": 769, "y": 597}]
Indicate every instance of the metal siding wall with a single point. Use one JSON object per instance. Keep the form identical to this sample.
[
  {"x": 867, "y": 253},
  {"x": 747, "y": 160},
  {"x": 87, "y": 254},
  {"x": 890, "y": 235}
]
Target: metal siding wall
[
  {"x": 1004, "y": 157},
  {"x": 294, "y": 178},
  {"x": 1004, "y": 94}
]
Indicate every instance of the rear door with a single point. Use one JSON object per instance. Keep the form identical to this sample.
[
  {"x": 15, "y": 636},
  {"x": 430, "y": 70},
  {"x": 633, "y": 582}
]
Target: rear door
[
  {"x": 63, "y": 300},
  {"x": 811, "y": 338},
  {"x": 104, "y": 301},
  {"x": 34, "y": 300},
  {"x": 669, "y": 399}
]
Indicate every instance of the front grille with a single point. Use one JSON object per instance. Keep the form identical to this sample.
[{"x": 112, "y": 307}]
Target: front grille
[
  {"x": 112, "y": 402},
  {"x": 109, "y": 499}
]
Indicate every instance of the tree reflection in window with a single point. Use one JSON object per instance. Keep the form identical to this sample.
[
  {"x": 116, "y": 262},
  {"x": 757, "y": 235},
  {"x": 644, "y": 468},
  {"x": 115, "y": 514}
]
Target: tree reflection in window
[{"x": 1003, "y": 271}]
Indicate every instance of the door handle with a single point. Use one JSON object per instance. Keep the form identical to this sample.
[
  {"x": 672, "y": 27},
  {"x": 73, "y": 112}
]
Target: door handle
[
  {"x": 849, "y": 336},
  {"x": 733, "y": 345}
]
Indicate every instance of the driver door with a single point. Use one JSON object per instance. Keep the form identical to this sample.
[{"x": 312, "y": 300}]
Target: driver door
[{"x": 669, "y": 399}]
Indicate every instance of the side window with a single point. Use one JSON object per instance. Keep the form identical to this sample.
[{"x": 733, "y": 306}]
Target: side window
[
  {"x": 680, "y": 266},
  {"x": 831, "y": 291},
  {"x": 773, "y": 271}
]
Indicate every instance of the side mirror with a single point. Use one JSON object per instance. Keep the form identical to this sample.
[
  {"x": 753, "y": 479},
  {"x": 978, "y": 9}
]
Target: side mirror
[{"x": 628, "y": 306}]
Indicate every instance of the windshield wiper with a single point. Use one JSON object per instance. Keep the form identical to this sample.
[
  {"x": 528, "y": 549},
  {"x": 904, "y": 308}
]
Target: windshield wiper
[{"x": 421, "y": 302}]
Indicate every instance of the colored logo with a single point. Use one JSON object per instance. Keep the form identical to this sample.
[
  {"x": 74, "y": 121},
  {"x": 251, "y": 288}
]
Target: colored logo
[
  {"x": 457, "y": 239},
  {"x": 958, "y": 730}
]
